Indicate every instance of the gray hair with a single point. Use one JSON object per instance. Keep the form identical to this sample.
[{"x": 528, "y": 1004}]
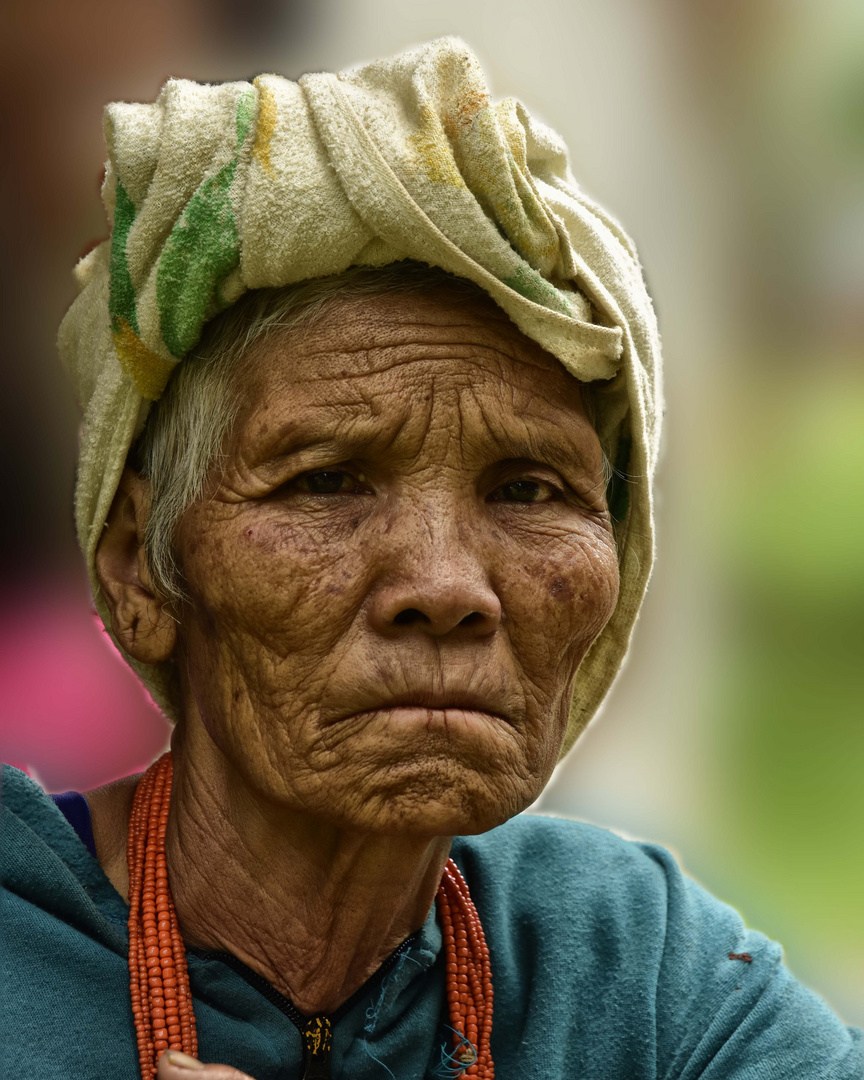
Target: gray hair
[{"x": 184, "y": 438}]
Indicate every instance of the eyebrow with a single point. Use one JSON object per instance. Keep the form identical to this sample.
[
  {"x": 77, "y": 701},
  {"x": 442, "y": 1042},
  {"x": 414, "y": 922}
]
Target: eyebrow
[
  {"x": 552, "y": 453},
  {"x": 561, "y": 454},
  {"x": 351, "y": 429},
  {"x": 293, "y": 439}
]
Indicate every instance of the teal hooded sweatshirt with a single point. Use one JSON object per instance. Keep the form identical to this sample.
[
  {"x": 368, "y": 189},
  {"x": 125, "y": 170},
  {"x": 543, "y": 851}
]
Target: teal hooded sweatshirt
[{"x": 607, "y": 962}]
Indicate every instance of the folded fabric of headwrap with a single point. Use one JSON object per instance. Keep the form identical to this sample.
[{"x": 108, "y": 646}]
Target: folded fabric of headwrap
[{"x": 213, "y": 190}]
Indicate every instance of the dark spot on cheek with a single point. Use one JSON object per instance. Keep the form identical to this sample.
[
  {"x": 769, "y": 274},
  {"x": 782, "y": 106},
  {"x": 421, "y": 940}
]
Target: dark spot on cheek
[
  {"x": 235, "y": 696},
  {"x": 334, "y": 590},
  {"x": 248, "y": 532},
  {"x": 559, "y": 588},
  {"x": 355, "y": 523}
]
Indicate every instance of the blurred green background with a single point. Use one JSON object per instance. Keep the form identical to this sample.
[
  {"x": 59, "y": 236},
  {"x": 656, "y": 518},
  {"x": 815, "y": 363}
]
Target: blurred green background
[{"x": 729, "y": 138}]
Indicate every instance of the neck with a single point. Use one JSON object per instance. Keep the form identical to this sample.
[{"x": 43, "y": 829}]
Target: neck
[{"x": 313, "y": 909}]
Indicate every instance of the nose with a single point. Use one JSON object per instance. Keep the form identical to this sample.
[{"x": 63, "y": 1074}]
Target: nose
[{"x": 437, "y": 586}]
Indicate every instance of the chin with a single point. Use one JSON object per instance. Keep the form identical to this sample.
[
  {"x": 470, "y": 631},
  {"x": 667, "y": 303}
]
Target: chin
[{"x": 442, "y": 801}]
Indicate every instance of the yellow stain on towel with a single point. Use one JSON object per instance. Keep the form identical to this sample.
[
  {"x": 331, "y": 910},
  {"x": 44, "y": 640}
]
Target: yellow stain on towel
[
  {"x": 266, "y": 126},
  {"x": 464, "y": 113},
  {"x": 431, "y": 146},
  {"x": 149, "y": 371}
]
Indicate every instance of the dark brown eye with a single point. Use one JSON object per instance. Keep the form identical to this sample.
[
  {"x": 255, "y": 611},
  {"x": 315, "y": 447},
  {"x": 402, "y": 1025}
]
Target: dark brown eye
[
  {"x": 327, "y": 482},
  {"x": 523, "y": 491}
]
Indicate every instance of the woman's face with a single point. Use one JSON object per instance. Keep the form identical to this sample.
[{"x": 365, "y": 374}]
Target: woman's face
[{"x": 399, "y": 569}]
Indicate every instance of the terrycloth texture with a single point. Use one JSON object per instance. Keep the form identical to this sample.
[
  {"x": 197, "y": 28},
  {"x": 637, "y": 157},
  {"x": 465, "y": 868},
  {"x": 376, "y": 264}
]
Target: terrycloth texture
[
  {"x": 213, "y": 190},
  {"x": 608, "y": 964}
]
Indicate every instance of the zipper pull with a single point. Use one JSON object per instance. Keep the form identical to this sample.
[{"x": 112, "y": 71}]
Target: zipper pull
[{"x": 317, "y": 1042}]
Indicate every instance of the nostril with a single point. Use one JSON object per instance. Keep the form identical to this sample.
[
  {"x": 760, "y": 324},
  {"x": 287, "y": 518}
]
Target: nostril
[
  {"x": 439, "y": 618},
  {"x": 410, "y": 615},
  {"x": 471, "y": 620}
]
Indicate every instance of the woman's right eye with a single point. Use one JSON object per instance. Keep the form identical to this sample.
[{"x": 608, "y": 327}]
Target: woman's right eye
[
  {"x": 327, "y": 482},
  {"x": 525, "y": 491}
]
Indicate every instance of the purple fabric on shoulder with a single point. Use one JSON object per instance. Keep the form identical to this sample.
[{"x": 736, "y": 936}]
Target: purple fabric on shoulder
[{"x": 73, "y": 806}]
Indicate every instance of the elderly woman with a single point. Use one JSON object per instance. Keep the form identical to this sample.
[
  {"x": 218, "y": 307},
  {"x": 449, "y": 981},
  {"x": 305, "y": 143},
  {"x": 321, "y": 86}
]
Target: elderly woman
[{"x": 356, "y": 364}]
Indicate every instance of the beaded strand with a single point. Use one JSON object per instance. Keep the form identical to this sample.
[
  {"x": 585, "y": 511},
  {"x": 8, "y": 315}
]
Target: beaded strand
[
  {"x": 159, "y": 978},
  {"x": 469, "y": 976}
]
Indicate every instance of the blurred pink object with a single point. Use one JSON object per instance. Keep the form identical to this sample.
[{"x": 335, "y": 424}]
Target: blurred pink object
[{"x": 71, "y": 713}]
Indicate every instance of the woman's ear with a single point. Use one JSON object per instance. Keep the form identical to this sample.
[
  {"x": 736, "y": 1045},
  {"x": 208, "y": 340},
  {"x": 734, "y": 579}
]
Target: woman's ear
[{"x": 139, "y": 616}]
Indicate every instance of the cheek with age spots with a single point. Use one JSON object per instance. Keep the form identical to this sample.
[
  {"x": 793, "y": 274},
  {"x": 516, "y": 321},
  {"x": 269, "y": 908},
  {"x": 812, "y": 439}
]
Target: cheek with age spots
[
  {"x": 559, "y": 589},
  {"x": 578, "y": 597}
]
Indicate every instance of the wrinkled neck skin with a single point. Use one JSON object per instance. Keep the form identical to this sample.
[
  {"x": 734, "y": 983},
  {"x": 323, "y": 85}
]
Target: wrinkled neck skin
[{"x": 313, "y": 909}]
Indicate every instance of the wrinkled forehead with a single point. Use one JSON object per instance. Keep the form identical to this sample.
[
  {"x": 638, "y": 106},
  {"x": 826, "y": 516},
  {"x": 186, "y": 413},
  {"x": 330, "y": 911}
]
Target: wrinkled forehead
[
  {"x": 384, "y": 344},
  {"x": 399, "y": 368}
]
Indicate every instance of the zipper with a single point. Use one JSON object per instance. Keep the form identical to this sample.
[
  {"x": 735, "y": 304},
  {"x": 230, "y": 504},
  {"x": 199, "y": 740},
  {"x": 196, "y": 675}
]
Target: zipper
[{"x": 317, "y": 1044}]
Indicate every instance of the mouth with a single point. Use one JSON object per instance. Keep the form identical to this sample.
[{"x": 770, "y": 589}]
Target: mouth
[{"x": 429, "y": 705}]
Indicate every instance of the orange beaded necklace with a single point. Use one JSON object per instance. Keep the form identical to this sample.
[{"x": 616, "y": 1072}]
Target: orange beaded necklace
[{"x": 159, "y": 980}]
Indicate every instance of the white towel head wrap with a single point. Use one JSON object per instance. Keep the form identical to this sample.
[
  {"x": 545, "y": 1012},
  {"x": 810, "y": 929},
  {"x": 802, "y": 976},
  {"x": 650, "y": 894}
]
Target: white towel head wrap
[{"x": 213, "y": 190}]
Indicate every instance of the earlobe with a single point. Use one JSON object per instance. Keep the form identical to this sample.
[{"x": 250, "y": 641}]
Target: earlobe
[{"x": 139, "y": 616}]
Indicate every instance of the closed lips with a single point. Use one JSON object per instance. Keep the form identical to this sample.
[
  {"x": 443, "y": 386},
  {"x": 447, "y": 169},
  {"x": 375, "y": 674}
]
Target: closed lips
[{"x": 432, "y": 700}]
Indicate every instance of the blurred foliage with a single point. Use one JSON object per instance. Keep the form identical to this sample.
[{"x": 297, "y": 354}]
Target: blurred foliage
[{"x": 789, "y": 689}]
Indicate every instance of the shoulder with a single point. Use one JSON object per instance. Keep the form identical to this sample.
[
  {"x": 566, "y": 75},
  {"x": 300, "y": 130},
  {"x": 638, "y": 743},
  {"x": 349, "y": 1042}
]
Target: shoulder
[
  {"x": 27, "y": 808},
  {"x": 601, "y": 899},
  {"x": 617, "y": 933},
  {"x": 571, "y": 868},
  {"x": 42, "y": 861},
  {"x": 64, "y": 951},
  {"x": 609, "y": 898}
]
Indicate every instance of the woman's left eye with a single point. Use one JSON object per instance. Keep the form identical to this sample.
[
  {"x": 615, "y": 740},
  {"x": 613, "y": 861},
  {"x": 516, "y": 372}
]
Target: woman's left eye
[
  {"x": 327, "y": 482},
  {"x": 524, "y": 491}
]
